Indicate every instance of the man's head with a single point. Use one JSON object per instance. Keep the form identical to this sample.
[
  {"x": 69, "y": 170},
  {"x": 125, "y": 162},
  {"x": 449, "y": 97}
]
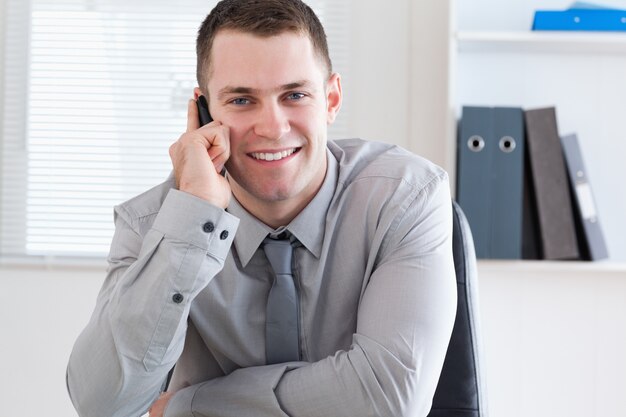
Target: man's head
[
  {"x": 263, "y": 18},
  {"x": 268, "y": 83}
]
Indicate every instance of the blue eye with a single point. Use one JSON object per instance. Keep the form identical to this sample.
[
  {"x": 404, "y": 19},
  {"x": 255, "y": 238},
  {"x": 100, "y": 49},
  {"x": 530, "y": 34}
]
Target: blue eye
[
  {"x": 240, "y": 101},
  {"x": 295, "y": 96}
]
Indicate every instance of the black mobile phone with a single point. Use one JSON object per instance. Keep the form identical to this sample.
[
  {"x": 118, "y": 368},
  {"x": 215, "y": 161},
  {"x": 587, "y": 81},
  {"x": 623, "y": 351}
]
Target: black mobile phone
[{"x": 203, "y": 111}]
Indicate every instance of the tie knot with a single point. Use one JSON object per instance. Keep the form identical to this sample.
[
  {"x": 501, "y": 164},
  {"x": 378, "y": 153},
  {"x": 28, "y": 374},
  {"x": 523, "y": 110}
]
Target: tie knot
[
  {"x": 279, "y": 253},
  {"x": 282, "y": 235}
]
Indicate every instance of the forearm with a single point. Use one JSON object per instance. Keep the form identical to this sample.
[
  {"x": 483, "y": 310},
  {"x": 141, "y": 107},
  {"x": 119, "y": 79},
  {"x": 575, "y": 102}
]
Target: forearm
[
  {"x": 366, "y": 380},
  {"x": 137, "y": 330},
  {"x": 392, "y": 367}
]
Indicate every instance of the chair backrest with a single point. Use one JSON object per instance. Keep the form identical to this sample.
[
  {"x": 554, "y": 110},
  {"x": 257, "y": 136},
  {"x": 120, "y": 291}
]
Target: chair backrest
[{"x": 461, "y": 389}]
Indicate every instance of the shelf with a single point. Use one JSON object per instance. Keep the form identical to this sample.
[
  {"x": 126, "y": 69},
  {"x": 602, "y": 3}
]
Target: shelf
[
  {"x": 592, "y": 269},
  {"x": 542, "y": 42}
]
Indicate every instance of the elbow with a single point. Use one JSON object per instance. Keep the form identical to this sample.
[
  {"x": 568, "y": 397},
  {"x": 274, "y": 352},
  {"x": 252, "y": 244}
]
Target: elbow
[
  {"x": 395, "y": 386},
  {"x": 407, "y": 393},
  {"x": 416, "y": 396},
  {"x": 97, "y": 393},
  {"x": 87, "y": 398}
]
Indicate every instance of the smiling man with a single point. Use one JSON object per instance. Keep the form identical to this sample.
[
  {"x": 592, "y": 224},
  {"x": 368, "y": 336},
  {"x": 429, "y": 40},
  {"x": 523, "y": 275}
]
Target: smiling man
[
  {"x": 276, "y": 96},
  {"x": 354, "y": 317}
]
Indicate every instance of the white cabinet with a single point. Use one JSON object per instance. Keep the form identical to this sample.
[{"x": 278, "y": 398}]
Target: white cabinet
[{"x": 554, "y": 338}]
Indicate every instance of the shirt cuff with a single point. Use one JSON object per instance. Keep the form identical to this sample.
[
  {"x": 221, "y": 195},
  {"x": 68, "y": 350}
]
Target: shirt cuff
[{"x": 190, "y": 219}]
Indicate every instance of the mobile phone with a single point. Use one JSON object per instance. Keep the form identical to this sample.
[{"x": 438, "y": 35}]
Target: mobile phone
[{"x": 203, "y": 111}]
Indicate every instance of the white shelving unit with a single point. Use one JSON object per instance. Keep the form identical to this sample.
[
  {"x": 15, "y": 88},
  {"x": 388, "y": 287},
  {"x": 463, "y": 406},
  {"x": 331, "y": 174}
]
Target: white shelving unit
[
  {"x": 554, "y": 332},
  {"x": 579, "y": 73}
]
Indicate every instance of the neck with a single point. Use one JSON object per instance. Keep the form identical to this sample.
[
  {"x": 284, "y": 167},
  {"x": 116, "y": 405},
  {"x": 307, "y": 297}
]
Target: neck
[{"x": 274, "y": 213}]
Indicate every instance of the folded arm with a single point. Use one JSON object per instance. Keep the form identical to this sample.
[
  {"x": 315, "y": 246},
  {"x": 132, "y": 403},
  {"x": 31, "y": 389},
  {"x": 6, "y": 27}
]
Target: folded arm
[{"x": 404, "y": 323}]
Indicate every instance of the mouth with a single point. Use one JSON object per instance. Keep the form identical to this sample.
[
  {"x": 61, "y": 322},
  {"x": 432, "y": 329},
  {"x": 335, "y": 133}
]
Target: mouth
[{"x": 274, "y": 156}]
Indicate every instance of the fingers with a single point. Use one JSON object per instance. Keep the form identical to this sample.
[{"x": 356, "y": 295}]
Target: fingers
[
  {"x": 198, "y": 157},
  {"x": 219, "y": 150},
  {"x": 193, "y": 120},
  {"x": 158, "y": 407},
  {"x": 194, "y": 170},
  {"x": 217, "y": 142}
]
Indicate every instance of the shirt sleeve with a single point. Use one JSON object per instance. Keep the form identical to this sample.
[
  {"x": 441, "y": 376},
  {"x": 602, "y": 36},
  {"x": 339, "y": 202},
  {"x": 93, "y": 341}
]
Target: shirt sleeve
[
  {"x": 137, "y": 330},
  {"x": 405, "y": 320}
]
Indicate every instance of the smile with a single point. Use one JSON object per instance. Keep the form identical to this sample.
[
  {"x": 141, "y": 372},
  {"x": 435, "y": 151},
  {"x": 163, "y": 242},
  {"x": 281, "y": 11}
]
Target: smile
[{"x": 276, "y": 156}]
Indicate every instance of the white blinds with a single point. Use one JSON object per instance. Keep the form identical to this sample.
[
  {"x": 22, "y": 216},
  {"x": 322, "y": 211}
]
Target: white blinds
[{"x": 94, "y": 92}]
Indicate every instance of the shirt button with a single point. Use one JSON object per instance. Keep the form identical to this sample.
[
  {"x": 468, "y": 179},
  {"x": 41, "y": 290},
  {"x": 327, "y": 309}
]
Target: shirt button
[
  {"x": 177, "y": 298},
  {"x": 224, "y": 235},
  {"x": 208, "y": 227}
]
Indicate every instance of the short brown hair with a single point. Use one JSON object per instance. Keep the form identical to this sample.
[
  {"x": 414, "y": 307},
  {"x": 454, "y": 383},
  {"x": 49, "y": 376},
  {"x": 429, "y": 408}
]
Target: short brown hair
[{"x": 261, "y": 18}]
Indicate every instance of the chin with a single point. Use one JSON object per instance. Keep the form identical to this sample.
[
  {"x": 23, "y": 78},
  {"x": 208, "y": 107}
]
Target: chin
[{"x": 262, "y": 191}]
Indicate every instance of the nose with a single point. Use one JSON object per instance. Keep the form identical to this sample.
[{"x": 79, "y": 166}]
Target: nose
[{"x": 272, "y": 123}]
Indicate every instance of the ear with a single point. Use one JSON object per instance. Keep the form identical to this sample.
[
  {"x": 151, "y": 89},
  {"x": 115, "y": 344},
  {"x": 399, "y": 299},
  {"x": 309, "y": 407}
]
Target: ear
[
  {"x": 333, "y": 97},
  {"x": 197, "y": 93}
]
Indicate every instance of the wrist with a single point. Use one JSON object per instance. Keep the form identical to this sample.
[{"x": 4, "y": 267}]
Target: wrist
[{"x": 220, "y": 200}]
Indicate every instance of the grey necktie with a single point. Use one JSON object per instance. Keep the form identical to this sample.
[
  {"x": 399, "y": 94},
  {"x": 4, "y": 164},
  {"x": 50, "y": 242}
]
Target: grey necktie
[{"x": 281, "y": 326}]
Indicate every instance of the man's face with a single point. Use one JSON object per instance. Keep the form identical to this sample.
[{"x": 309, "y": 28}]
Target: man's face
[{"x": 274, "y": 95}]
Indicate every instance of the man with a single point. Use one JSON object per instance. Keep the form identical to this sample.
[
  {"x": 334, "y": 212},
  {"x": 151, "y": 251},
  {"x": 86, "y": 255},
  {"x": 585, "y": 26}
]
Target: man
[{"x": 190, "y": 277}]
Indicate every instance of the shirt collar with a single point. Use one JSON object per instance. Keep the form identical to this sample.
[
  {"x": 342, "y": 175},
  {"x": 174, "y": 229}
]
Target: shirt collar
[{"x": 308, "y": 226}]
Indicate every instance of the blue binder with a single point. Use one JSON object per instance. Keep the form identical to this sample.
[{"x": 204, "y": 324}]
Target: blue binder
[
  {"x": 490, "y": 178},
  {"x": 582, "y": 17}
]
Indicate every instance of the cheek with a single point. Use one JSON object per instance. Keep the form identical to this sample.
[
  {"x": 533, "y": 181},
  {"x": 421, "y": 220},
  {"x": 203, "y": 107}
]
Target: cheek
[
  {"x": 237, "y": 135},
  {"x": 239, "y": 126},
  {"x": 312, "y": 125}
]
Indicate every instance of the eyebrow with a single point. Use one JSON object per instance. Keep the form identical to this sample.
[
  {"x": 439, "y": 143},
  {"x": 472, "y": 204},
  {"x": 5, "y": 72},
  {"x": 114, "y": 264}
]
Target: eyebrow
[{"x": 254, "y": 91}]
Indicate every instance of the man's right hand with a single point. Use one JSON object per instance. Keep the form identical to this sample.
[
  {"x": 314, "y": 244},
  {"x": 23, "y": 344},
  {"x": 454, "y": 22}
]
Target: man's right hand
[{"x": 198, "y": 157}]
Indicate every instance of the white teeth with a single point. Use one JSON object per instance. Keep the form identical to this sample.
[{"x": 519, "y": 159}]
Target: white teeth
[{"x": 273, "y": 156}]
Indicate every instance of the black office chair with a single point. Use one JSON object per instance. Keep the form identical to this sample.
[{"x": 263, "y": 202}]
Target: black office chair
[{"x": 461, "y": 389}]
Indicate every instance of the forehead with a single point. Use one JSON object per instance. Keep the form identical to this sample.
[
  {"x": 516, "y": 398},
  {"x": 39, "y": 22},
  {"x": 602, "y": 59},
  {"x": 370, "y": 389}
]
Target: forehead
[{"x": 243, "y": 59}]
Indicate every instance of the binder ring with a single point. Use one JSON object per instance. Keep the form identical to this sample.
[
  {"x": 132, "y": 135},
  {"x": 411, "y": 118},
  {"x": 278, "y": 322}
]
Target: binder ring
[
  {"x": 475, "y": 143},
  {"x": 507, "y": 144}
]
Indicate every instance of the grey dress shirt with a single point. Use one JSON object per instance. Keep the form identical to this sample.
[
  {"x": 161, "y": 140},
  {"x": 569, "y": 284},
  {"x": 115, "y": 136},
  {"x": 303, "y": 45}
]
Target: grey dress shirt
[{"x": 187, "y": 283}]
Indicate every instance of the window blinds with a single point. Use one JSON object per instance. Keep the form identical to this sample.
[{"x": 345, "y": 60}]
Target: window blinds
[{"x": 94, "y": 92}]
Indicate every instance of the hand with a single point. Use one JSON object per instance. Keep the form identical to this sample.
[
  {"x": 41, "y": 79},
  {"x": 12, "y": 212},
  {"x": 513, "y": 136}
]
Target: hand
[
  {"x": 158, "y": 407},
  {"x": 198, "y": 157}
]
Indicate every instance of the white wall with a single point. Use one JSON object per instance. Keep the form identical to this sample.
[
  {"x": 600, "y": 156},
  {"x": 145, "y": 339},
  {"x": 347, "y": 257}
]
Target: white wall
[
  {"x": 41, "y": 314},
  {"x": 377, "y": 91},
  {"x": 397, "y": 91}
]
